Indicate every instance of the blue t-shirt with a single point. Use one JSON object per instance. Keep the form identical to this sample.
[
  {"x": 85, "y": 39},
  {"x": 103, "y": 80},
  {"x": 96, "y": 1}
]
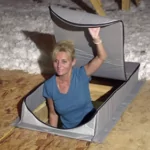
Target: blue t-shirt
[{"x": 76, "y": 103}]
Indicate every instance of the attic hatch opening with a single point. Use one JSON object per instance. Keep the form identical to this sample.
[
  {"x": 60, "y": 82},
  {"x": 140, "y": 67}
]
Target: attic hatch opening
[{"x": 100, "y": 90}]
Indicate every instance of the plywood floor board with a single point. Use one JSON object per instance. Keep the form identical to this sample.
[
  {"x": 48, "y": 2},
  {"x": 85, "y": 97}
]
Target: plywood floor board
[{"x": 132, "y": 132}]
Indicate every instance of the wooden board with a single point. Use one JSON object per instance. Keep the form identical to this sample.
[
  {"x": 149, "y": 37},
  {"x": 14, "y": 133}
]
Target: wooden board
[
  {"x": 98, "y": 91},
  {"x": 41, "y": 112},
  {"x": 132, "y": 131},
  {"x": 13, "y": 86},
  {"x": 125, "y": 4},
  {"x": 137, "y": 2},
  {"x": 97, "y": 4}
]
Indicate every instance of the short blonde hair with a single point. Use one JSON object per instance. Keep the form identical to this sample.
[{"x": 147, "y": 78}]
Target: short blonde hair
[{"x": 64, "y": 46}]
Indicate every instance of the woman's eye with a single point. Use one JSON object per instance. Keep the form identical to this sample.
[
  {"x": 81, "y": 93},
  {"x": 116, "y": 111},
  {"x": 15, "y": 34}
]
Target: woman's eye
[{"x": 64, "y": 61}]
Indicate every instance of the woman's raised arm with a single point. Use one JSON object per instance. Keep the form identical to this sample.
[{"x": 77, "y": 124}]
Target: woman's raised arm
[{"x": 97, "y": 61}]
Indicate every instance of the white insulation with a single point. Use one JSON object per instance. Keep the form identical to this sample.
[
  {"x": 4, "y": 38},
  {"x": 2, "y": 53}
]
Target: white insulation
[{"x": 26, "y": 27}]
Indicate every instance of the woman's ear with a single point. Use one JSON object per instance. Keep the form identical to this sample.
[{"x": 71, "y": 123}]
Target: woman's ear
[{"x": 73, "y": 62}]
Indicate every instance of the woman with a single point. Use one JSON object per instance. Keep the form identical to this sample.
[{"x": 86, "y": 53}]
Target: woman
[{"x": 68, "y": 92}]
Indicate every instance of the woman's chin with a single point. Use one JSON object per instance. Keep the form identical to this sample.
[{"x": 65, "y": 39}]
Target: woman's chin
[{"x": 60, "y": 73}]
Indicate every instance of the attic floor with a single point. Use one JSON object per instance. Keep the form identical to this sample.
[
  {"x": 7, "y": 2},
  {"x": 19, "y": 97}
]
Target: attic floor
[{"x": 132, "y": 131}]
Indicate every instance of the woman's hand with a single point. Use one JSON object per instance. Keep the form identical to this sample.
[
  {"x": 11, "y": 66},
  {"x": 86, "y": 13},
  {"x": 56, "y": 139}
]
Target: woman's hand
[{"x": 94, "y": 32}]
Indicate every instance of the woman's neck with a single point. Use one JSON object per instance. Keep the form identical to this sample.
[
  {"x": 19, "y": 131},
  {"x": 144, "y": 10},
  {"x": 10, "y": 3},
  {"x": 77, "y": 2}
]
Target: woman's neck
[{"x": 65, "y": 77}]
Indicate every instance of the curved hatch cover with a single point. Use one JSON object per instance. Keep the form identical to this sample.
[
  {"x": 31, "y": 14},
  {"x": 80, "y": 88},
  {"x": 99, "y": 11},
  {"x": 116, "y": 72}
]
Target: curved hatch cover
[{"x": 72, "y": 25}]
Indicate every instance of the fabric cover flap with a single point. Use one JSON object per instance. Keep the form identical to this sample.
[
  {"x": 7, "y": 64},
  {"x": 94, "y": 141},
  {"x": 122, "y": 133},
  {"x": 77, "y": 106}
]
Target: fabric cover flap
[{"x": 72, "y": 25}]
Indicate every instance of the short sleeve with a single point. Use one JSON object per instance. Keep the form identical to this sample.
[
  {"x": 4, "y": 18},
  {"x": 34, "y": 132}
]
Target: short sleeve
[
  {"x": 46, "y": 90},
  {"x": 83, "y": 74}
]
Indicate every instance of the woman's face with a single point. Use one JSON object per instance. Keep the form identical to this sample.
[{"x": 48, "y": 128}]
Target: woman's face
[{"x": 63, "y": 63}]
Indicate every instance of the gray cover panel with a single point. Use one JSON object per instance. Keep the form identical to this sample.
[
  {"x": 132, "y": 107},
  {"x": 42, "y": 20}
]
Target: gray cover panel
[
  {"x": 29, "y": 121},
  {"x": 129, "y": 68},
  {"x": 110, "y": 112},
  {"x": 113, "y": 67},
  {"x": 116, "y": 116},
  {"x": 56, "y": 132},
  {"x": 35, "y": 98},
  {"x": 79, "y": 18},
  {"x": 97, "y": 128}
]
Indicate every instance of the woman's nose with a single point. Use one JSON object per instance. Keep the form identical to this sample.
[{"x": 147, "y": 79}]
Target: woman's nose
[{"x": 58, "y": 64}]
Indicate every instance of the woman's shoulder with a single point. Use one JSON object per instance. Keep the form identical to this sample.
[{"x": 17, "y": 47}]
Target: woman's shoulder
[
  {"x": 81, "y": 73},
  {"x": 50, "y": 80},
  {"x": 79, "y": 70}
]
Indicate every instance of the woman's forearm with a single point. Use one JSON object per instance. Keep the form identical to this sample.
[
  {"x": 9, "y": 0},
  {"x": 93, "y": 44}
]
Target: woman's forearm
[
  {"x": 101, "y": 53},
  {"x": 53, "y": 120}
]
